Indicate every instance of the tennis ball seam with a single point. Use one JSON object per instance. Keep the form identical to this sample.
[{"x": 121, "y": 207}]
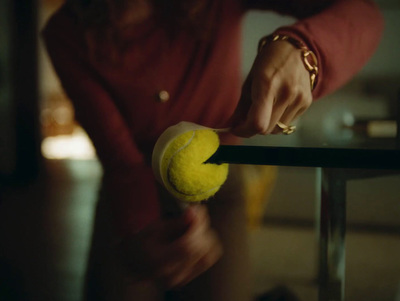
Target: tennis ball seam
[{"x": 168, "y": 170}]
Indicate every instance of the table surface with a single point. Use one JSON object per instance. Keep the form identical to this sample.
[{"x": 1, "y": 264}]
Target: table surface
[{"x": 366, "y": 154}]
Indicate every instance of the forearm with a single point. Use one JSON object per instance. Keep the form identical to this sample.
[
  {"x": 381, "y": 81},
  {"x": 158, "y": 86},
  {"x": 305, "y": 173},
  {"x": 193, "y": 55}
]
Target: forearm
[
  {"x": 343, "y": 37},
  {"x": 129, "y": 182}
]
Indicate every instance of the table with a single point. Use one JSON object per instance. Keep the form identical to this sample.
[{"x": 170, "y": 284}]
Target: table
[{"x": 336, "y": 166}]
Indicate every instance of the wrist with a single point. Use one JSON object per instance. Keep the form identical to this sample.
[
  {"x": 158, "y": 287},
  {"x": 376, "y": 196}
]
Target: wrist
[{"x": 308, "y": 57}]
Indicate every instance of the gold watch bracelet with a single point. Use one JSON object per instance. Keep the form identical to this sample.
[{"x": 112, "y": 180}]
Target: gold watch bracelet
[{"x": 309, "y": 58}]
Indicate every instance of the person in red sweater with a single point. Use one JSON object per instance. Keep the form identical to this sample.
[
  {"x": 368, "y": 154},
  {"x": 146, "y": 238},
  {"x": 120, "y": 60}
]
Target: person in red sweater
[{"x": 132, "y": 68}]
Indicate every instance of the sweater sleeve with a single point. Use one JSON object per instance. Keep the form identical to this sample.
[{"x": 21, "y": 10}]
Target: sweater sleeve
[
  {"x": 344, "y": 35},
  {"x": 129, "y": 182}
]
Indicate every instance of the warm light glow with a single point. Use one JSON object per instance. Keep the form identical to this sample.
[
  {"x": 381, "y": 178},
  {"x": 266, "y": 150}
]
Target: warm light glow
[{"x": 76, "y": 146}]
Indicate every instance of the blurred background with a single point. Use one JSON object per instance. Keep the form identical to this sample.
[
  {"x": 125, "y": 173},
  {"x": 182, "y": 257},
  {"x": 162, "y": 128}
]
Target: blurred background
[{"x": 50, "y": 175}]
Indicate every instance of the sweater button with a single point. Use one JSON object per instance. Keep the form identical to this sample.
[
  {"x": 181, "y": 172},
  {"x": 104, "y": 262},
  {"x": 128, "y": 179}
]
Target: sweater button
[{"x": 162, "y": 96}]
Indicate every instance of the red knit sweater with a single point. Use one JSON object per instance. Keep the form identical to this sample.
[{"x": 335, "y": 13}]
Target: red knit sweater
[{"x": 116, "y": 104}]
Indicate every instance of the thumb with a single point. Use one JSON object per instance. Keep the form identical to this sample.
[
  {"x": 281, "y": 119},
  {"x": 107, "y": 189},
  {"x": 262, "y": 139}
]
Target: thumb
[
  {"x": 240, "y": 114},
  {"x": 191, "y": 213},
  {"x": 175, "y": 228}
]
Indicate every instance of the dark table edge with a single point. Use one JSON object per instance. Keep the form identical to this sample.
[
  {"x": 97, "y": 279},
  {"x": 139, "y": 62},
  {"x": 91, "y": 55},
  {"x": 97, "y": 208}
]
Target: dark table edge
[{"x": 385, "y": 159}]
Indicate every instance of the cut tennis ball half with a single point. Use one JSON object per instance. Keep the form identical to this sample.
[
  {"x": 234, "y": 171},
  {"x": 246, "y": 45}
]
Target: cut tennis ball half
[{"x": 179, "y": 158}]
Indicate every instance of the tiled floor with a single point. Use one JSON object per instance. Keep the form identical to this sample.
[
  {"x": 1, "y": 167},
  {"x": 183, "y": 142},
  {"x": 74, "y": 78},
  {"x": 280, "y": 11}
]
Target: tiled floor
[{"x": 45, "y": 229}]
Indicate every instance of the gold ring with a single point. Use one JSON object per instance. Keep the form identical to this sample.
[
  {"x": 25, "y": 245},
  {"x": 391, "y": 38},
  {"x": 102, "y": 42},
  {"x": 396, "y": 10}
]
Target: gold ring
[{"x": 287, "y": 130}]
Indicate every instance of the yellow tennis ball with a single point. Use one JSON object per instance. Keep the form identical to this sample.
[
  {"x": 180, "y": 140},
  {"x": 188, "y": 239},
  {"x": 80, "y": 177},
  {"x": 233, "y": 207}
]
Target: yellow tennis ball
[{"x": 181, "y": 166}]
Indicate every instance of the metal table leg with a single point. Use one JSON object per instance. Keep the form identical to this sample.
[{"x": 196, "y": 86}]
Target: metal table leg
[{"x": 332, "y": 235}]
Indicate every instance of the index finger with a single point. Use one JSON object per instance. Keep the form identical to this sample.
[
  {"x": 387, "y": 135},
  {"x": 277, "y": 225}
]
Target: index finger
[{"x": 258, "y": 117}]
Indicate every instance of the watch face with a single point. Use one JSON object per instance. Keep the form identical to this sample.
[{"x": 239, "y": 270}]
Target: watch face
[{"x": 7, "y": 128}]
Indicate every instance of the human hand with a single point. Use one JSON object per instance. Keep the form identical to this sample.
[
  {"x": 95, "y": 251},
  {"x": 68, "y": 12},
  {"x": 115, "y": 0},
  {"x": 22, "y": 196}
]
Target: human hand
[
  {"x": 174, "y": 251},
  {"x": 276, "y": 89}
]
